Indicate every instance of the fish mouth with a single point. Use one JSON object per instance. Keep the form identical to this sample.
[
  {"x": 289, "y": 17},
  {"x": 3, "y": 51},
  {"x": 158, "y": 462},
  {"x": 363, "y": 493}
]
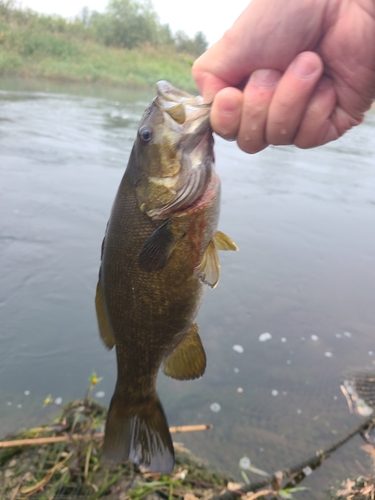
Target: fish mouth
[
  {"x": 171, "y": 94},
  {"x": 185, "y": 109}
]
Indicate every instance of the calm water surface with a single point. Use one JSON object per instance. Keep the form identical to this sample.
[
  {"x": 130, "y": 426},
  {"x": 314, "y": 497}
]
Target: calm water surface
[{"x": 304, "y": 222}]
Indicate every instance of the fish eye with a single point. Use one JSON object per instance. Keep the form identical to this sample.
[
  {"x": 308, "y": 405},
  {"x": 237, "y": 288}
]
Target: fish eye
[{"x": 145, "y": 133}]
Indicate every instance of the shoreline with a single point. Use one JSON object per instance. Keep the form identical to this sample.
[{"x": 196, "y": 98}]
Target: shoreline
[{"x": 111, "y": 67}]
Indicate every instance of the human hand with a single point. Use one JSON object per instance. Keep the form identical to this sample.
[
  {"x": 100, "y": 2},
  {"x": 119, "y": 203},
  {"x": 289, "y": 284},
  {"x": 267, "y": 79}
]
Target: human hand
[{"x": 291, "y": 72}]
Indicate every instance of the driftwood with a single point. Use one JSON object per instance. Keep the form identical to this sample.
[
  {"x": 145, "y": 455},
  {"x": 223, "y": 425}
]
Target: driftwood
[{"x": 98, "y": 436}]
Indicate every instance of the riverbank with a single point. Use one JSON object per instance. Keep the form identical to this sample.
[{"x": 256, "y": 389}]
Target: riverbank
[
  {"x": 92, "y": 63},
  {"x": 63, "y": 460},
  {"x": 71, "y": 467},
  {"x": 96, "y": 47}
]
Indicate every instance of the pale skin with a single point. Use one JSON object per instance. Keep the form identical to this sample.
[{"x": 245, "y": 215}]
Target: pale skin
[{"x": 291, "y": 72}]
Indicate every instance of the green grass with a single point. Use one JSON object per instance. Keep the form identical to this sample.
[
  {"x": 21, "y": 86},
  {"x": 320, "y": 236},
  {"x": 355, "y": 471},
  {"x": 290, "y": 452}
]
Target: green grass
[
  {"x": 75, "y": 469},
  {"x": 60, "y": 56}
]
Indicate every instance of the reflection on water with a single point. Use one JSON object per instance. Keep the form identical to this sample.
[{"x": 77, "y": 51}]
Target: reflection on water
[{"x": 305, "y": 275}]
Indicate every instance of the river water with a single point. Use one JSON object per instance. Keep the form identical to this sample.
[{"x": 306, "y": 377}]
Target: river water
[{"x": 305, "y": 274}]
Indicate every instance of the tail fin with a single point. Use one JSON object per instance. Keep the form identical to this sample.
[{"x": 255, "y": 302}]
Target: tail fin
[{"x": 138, "y": 433}]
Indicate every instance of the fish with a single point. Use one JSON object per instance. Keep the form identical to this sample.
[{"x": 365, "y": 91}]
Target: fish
[{"x": 159, "y": 252}]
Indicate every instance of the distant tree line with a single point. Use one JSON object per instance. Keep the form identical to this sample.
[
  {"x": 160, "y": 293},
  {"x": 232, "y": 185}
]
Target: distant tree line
[{"x": 124, "y": 23}]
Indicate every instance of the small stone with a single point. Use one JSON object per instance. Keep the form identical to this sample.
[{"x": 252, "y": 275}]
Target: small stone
[
  {"x": 347, "y": 334},
  {"x": 314, "y": 338},
  {"x": 283, "y": 339},
  {"x": 238, "y": 348},
  {"x": 27, "y": 393},
  {"x": 100, "y": 394},
  {"x": 236, "y": 370},
  {"x": 274, "y": 392},
  {"x": 288, "y": 362},
  {"x": 299, "y": 411},
  {"x": 239, "y": 390},
  {"x": 328, "y": 354},
  {"x": 58, "y": 401}
]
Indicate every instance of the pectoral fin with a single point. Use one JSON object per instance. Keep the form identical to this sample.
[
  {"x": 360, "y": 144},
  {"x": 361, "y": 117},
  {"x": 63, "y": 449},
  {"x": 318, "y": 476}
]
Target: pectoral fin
[
  {"x": 103, "y": 322},
  {"x": 188, "y": 360},
  {"x": 208, "y": 270},
  {"x": 156, "y": 251},
  {"x": 223, "y": 242}
]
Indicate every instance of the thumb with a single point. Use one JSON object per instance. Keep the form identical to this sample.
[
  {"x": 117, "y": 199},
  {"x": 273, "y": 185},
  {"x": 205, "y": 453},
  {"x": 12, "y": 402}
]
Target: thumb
[{"x": 209, "y": 85}]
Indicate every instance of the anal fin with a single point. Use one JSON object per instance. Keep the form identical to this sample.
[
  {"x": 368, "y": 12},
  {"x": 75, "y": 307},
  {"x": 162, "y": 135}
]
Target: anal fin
[
  {"x": 102, "y": 316},
  {"x": 188, "y": 360}
]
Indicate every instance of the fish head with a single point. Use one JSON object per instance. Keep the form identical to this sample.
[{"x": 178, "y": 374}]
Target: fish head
[{"x": 173, "y": 152}]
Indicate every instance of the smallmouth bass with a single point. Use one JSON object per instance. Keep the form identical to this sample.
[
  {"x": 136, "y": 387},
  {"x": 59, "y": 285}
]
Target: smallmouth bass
[{"x": 159, "y": 250}]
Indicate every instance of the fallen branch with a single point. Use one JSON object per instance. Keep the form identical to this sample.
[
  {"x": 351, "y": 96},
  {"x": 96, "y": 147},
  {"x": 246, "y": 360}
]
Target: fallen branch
[
  {"x": 30, "y": 490},
  {"x": 98, "y": 436},
  {"x": 312, "y": 462}
]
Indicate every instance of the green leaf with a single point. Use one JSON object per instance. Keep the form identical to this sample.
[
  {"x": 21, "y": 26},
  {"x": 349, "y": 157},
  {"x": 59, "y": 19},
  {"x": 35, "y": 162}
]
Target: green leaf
[{"x": 245, "y": 478}]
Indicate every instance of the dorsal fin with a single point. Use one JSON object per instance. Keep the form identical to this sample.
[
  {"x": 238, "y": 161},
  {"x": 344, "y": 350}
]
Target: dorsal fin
[{"x": 103, "y": 321}]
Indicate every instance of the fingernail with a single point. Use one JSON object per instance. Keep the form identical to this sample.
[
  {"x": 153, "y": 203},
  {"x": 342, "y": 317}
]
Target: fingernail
[
  {"x": 303, "y": 67},
  {"x": 265, "y": 78}
]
